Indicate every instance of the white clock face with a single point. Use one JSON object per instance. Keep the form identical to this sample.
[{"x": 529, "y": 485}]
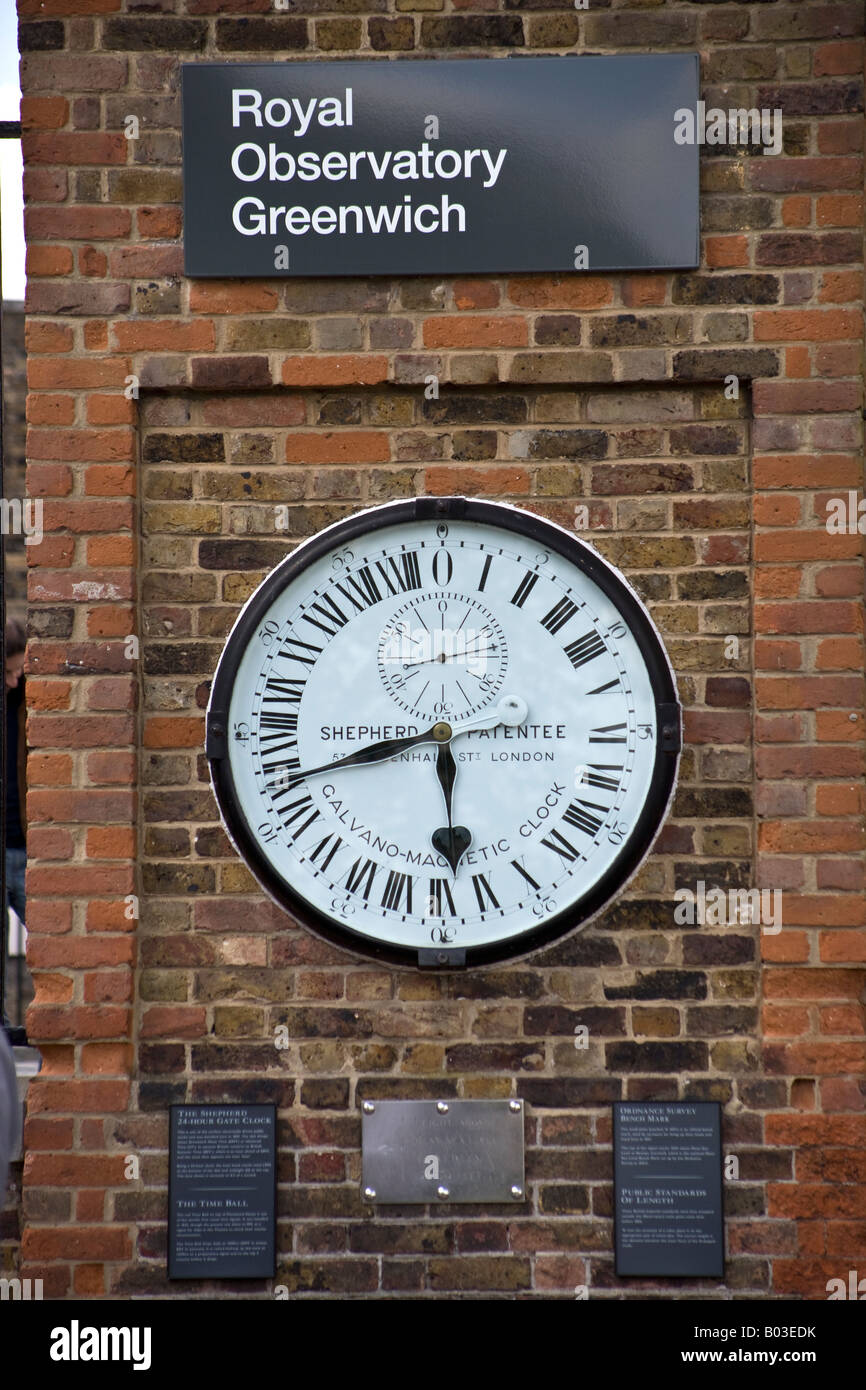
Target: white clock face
[{"x": 443, "y": 734}]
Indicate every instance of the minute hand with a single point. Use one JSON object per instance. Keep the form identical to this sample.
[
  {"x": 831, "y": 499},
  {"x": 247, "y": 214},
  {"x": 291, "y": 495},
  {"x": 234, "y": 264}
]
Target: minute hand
[{"x": 510, "y": 710}]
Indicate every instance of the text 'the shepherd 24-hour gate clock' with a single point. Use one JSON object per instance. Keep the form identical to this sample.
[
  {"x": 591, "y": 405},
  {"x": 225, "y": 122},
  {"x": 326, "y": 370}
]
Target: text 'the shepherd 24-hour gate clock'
[{"x": 443, "y": 732}]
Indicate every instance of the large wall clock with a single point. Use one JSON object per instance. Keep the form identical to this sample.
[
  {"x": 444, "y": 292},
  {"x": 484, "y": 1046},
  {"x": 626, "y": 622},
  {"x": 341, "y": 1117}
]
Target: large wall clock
[{"x": 443, "y": 732}]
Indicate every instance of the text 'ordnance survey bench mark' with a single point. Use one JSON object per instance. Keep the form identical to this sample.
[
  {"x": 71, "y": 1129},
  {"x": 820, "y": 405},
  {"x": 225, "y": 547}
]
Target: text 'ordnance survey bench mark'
[
  {"x": 453, "y": 166},
  {"x": 668, "y": 1188}
]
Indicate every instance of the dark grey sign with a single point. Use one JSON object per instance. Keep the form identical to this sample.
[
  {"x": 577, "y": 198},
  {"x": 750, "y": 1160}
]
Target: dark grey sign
[
  {"x": 442, "y": 1151},
  {"x": 222, "y": 1192},
  {"x": 668, "y": 1184},
  {"x": 466, "y": 165}
]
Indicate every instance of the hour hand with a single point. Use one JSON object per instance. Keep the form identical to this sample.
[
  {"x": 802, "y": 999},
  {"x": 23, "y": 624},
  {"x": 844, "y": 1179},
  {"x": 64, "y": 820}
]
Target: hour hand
[{"x": 451, "y": 841}]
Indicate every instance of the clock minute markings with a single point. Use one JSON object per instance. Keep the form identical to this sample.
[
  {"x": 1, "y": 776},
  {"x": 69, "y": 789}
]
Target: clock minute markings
[
  {"x": 359, "y": 878},
  {"x": 484, "y": 573},
  {"x": 561, "y": 613},
  {"x": 524, "y": 589},
  {"x": 295, "y": 811},
  {"x": 597, "y": 777},
  {"x": 302, "y": 654},
  {"x": 524, "y": 873},
  {"x": 483, "y": 892},
  {"x": 606, "y": 733},
  {"x": 439, "y": 889},
  {"x": 285, "y": 690},
  {"x": 397, "y": 885},
  {"x": 584, "y": 649},
  {"x": 331, "y": 848}
]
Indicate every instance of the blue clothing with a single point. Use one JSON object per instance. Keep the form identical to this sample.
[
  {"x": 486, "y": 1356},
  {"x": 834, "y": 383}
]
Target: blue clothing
[{"x": 16, "y": 867}]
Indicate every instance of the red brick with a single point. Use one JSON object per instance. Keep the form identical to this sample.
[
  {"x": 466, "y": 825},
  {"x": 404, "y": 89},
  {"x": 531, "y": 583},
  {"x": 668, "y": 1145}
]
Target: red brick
[
  {"x": 43, "y": 113},
  {"x": 49, "y": 260},
  {"x": 316, "y": 370},
  {"x": 76, "y": 1243},
  {"x": 164, "y": 335},
  {"x": 106, "y": 1059},
  {"x": 845, "y": 947},
  {"x": 109, "y": 480},
  {"x": 797, "y": 210},
  {"x": 476, "y": 294},
  {"x": 89, "y": 223},
  {"x": 173, "y": 1021},
  {"x": 110, "y": 842},
  {"x": 819, "y": 325},
  {"x": 338, "y": 446},
  {"x": 838, "y": 59},
  {"x": 489, "y": 481},
  {"x": 110, "y": 410},
  {"x": 840, "y": 210},
  {"x": 560, "y": 291},
  {"x": 159, "y": 223},
  {"x": 77, "y": 373},
  {"x": 811, "y": 174},
  {"x": 475, "y": 330},
  {"x": 231, "y": 297},
  {"x": 47, "y": 337},
  {"x": 726, "y": 251}
]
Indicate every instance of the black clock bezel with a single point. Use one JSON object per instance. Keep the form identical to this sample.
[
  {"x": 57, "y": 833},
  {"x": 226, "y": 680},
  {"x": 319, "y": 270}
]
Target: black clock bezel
[{"x": 549, "y": 536}]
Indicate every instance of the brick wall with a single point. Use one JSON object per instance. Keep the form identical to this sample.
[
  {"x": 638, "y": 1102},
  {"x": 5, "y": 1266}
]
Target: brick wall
[{"x": 160, "y": 519}]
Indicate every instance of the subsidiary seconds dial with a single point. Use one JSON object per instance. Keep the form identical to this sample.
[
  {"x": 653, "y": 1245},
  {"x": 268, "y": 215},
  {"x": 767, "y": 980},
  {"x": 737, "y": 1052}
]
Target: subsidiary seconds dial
[
  {"x": 442, "y": 653},
  {"x": 443, "y": 732}
]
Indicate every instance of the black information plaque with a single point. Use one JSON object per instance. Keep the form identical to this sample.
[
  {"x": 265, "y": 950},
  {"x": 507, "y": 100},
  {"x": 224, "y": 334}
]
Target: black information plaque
[
  {"x": 222, "y": 1192},
  {"x": 667, "y": 1158},
  {"x": 440, "y": 167}
]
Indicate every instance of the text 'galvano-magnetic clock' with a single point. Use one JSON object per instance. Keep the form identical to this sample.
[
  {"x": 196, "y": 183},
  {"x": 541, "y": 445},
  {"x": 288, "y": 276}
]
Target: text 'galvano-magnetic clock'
[{"x": 443, "y": 732}]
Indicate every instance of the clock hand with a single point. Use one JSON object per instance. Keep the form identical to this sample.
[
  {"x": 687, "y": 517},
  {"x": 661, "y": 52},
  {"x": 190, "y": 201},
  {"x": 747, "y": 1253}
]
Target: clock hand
[
  {"x": 511, "y": 709},
  {"x": 451, "y": 841}
]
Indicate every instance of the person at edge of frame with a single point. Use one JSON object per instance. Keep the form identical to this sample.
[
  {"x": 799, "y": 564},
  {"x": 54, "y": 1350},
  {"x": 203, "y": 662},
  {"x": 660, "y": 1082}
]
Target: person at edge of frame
[{"x": 15, "y": 790}]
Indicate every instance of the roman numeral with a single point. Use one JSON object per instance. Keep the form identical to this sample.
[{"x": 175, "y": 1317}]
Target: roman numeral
[
  {"x": 284, "y": 722},
  {"x": 602, "y": 689},
  {"x": 297, "y": 810},
  {"x": 484, "y": 573},
  {"x": 483, "y": 891},
  {"x": 581, "y": 819},
  {"x": 280, "y": 723},
  {"x": 286, "y": 780},
  {"x": 439, "y": 889},
  {"x": 559, "y": 615},
  {"x": 361, "y": 589},
  {"x": 301, "y": 653},
  {"x": 361, "y": 876},
  {"x": 524, "y": 588},
  {"x": 515, "y": 864},
  {"x": 585, "y": 649},
  {"x": 396, "y": 886},
  {"x": 288, "y": 691},
  {"x": 605, "y": 734},
  {"x": 332, "y": 614},
  {"x": 564, "y": 848},
  {"x": 598, "y": 778},
  {"x": 401, "y": 572},
  {"x": 314, "y": 854}
]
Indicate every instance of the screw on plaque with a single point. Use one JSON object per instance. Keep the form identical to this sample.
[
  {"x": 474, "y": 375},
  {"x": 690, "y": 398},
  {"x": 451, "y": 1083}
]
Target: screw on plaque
[
  {"x": 517, "y": 1192},
  {"x": 514, "y": 1105},
  {"x": 369, "y": 1193},
  {"x": 368, "y": 1107},
  {"x": 442, "y": 1107},
  {"x": 442, "y": 1193}
]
